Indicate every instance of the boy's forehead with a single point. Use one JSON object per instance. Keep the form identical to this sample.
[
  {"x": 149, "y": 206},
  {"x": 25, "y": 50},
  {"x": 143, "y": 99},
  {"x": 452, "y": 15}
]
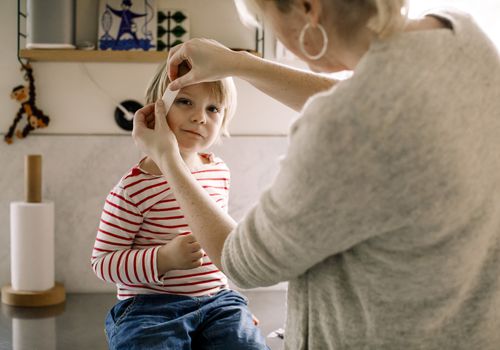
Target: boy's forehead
[
  {"x": 200, "y": 87},
  {"x": 205, "y": 88}
]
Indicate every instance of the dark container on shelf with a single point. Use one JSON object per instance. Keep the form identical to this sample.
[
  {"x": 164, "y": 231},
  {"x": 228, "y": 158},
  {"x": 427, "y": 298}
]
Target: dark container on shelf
[{"x": 50, "y": 24}]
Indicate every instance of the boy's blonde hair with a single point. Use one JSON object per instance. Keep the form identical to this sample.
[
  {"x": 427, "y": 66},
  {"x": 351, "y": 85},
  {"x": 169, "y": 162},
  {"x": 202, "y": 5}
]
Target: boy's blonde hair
[{"x": 224, "y": 91}]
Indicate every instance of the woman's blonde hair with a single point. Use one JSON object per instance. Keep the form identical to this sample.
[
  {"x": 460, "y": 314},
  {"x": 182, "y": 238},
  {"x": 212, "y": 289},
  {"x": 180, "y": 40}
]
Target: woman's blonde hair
[
  {"x": 383, "y": 17},
  {"x": 224, "y": 91},
  {"x": 389, "y": 18}
]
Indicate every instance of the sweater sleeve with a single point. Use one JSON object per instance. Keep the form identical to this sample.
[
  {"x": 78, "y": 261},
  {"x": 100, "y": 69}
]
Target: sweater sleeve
[
  {"x": 113, "y": 258},
  {"x": 344, "y": 180}
]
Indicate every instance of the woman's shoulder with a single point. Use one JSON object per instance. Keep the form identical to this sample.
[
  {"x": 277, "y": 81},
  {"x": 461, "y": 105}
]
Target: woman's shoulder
[
  {"x": 457, "y": 20},
  {"x": 408, "y": 67}
]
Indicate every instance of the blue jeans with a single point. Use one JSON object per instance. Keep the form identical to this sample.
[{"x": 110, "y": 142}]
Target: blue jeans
[{"x": 165, "y": 321}]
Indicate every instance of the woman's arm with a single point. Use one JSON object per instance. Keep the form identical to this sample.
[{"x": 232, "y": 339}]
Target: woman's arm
[
  {"x": 290, "y": 86},
  {"x": 208, "y": 222},
  {"x": 210, "y": 61}
]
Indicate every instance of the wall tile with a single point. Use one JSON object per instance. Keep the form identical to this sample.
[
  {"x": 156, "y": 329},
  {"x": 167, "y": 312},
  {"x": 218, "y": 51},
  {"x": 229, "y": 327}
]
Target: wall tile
[{"x": 79, "y": 171}]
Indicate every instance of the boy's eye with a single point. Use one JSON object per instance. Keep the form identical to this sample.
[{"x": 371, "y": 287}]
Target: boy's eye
[
  {"x": 213, "y": 109},
  {"x": 183, "y": 101}
]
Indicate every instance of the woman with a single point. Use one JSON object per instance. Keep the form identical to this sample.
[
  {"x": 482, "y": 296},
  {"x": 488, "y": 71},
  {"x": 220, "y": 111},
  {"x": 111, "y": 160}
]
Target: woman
[{"x": 385, "y": 215}]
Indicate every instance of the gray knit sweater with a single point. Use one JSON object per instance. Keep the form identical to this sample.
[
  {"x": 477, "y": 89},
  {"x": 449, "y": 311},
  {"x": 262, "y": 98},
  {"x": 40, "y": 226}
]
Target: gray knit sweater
[{"x": 385, "y": 215}]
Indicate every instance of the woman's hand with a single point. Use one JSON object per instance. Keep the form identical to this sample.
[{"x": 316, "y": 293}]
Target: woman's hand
[
  {"x": 207, "y": 59},
  {"x": 151, "y": 132}
]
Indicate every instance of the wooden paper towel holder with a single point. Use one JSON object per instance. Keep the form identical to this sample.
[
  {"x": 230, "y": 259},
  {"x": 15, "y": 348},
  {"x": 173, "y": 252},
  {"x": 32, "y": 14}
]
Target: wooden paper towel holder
[
  {"x": 53, "y": 296},
  {"x": 33, "y": 194}
]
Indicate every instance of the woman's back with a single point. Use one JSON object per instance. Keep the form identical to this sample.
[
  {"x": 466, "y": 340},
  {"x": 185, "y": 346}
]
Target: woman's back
[
  {"x": 394, "y": 180},
  {"x": 431, "y": 120}
]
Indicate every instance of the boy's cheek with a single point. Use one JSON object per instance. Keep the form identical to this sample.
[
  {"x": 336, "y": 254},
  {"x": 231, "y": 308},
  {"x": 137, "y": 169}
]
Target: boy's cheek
[{"x": 169, "y": 122}]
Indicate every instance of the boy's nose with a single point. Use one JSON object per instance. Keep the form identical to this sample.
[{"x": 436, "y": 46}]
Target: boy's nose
[{"x": 199, "y": 117}]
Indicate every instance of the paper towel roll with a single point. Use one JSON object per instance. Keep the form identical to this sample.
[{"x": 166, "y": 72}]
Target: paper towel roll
[{"x": 32, "y": 246}]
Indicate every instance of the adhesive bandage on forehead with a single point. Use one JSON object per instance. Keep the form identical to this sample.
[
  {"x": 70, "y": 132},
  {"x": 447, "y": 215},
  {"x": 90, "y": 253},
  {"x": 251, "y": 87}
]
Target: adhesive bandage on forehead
[{"x": 169, "y": 96}]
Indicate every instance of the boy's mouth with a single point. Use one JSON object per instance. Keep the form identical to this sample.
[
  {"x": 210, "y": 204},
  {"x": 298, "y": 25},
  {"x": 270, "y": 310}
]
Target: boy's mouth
[{"x": 193, "y": 132}]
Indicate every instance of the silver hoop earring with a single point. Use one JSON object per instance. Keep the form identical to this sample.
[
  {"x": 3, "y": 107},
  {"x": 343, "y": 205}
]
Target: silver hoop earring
[{"x": 301, "y": 41}]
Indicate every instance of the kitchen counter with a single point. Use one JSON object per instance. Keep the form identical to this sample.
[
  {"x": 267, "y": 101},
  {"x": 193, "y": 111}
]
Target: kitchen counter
[{"x": 79, "y": 322}]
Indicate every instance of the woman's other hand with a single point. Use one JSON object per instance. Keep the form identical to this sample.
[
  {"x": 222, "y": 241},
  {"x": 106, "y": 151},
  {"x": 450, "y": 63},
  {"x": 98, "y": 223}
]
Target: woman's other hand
[
  {"x": 151, "y": 132},
  {"x": 208, "y": 60}
]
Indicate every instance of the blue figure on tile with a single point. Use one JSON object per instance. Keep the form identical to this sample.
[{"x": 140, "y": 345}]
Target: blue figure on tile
[{"x": 127, "y": 26}]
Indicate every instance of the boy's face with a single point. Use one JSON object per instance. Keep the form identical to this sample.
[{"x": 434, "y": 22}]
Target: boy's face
[{"x": 196, "y": 117}]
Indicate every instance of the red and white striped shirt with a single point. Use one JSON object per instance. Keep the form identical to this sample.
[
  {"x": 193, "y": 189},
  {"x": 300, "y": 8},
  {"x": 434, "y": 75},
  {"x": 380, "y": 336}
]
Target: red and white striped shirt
[{"x": 140, "y": 215}]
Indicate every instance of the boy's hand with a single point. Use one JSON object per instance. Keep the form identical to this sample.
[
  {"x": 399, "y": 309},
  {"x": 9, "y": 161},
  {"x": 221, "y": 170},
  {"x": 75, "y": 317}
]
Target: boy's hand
[{"x": 181, "y": 253}]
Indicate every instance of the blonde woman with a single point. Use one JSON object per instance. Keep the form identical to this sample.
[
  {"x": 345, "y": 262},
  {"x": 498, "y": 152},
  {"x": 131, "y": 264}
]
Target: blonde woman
[{"x": 385, "y": 215}]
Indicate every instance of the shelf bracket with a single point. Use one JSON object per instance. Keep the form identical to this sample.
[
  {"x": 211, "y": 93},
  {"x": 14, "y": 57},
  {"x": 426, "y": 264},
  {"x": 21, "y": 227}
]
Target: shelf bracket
[{"x": 20, "y": 34}]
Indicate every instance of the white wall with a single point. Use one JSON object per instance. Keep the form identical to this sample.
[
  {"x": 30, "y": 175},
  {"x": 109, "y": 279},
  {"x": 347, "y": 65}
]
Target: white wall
[
  {"x": 75, "y": 105},
  {"x": 78, "y": 173}
]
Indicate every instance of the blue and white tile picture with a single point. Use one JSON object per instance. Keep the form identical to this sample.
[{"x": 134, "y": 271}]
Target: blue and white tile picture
[{"x": 127, "y": 25}]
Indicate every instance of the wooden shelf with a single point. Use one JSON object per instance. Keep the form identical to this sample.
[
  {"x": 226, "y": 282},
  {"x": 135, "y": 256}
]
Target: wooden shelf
[
  {"x": 97, "y": 56},
  {"x": 93, "y": 56}
]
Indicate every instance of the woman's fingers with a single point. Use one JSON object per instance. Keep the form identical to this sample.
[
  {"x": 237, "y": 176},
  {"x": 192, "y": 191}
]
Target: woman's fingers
[
  {"x": 207, "y": 60},
  {"x": 185, "y": 80},
  {"x": 174, "y": 60},
  {"x": 140, "y": 117},
  {"x": 150, "y": 121},
  {"x": 181, "y": 73},
  {"x": 181, "y": 66},
  {"x": 142, "y": 114},
  {"x": 160, "y": 113}
]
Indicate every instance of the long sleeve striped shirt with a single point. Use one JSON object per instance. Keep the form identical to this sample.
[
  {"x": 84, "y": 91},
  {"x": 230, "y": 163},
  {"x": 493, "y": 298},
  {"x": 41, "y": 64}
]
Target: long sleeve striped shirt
[{"x": 140, "y": 215}]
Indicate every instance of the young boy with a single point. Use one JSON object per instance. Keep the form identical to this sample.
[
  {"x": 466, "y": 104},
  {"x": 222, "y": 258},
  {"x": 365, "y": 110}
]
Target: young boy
[{"x": 171, "y": 295}]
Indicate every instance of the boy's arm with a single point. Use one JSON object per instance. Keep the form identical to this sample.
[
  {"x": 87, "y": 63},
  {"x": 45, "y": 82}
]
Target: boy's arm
[{"x": 113, "y": 259}]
